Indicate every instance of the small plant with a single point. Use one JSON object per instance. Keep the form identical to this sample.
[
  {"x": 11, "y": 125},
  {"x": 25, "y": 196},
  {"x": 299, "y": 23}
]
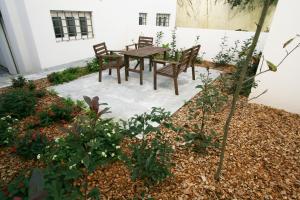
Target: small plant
[
  {"x": 211, "y": 100},
  {"x": 173, "y": 43},
  {"x": 45, "y": 119},
  {"x": 32, "y": 144},
  {"x": 66, "y": 75},
  {"x": 93, "y": 65},
  {"x": 31, "y": 85},
  {"x": 226, "y": 55},
  {"x": 16, "y": 189},
  {"x": 150, "y": 160},
  {"x": 159, "y": 36},
  {"x": 7, "y": 130},
  {"x": 91, "y": 142},
  {"x": 18, "y": 103},
  {"x": 19, "y": 82}
]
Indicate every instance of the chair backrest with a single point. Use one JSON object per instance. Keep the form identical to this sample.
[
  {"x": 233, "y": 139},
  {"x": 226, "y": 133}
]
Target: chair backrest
[
  {"x": 145, "y": 41},
  {"x": 100, "y": 49},
  {"x": 195, "y": 53},
  {"x": 185, "y": 60}
]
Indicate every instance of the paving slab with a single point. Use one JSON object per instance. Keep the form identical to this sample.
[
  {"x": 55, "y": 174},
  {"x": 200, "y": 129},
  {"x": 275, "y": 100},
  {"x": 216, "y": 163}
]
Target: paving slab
[{"x": 129, "y": 97}]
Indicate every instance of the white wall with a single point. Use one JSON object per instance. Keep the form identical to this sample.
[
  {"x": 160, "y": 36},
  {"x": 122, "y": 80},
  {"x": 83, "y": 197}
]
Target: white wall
[
  {"x": 114, "y": 21},
  {"x": 5, "y": 55},
  {"x": 284, "y": 85},
  {"x": 19, "y": 35}
]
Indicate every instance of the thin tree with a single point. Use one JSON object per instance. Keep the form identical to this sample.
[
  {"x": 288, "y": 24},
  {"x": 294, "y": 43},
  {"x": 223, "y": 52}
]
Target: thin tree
[{"x": 235, "y": 98}]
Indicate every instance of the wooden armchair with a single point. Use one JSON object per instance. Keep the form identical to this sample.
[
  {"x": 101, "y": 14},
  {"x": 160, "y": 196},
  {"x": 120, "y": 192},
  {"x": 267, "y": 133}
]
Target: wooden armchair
[
  {"x": 108, "y": 60},
  {"x": 194, "y": 56},
  {"x": 143, "y": 42},
  {"x": 173, "y": 69}
]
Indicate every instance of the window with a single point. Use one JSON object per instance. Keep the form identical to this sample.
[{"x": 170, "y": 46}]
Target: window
[
  {"x": 83, "y": 25},
  {"x": 143, "y": 19},
  {"x": 72, "y": 25},
  {"x": 162, "y": 19},
  {"x": 57, "y": 25}
]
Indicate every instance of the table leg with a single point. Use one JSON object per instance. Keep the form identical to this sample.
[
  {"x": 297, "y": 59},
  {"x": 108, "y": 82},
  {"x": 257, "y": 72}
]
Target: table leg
[
  {"x": 126, "y": 60},
  {"x": 165, "y": 55},
  {"x": 141, "y": 70}
]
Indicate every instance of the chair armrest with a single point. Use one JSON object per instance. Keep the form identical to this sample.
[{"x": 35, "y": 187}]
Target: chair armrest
[
  {"x": 130, "y": 45},
  {"x": 165, "y": 61},
  {"x": 115, "y": 51},
  {"x": 111, "y": 57}
]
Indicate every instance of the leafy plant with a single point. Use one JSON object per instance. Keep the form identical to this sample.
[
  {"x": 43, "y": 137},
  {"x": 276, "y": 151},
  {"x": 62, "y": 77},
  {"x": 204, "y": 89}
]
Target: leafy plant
[
  {"x": 90, "y": 143},
  {"x": 93, "y": 65},
  {"x": 211, "y": 100},
  {"x": 159, "y": 36},
  {"x": 16, "y": 189},
  {"x": 173, "y": 44},
  {"x": 31, "y": 85},
  {"x": 18, "y": 103},
  {"x": 45, "y": 119},
  {"x": 150, "y": 160},
  {"x": 19, "y": 82},
  {"x": 32, "y": 144},
  {"x": 200, "y": 141},
  {"x": 7, "y": 130},
  {"x": 226, "y": 55}
]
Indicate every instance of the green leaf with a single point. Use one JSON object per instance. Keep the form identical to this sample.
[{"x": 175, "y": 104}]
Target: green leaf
[
  {"x": 288, "y": 42},
  {"x": 272, "y": 66}
]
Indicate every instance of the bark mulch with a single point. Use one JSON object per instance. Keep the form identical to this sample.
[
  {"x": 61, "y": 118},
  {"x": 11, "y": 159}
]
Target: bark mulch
[{"x": 262, "y": 160}]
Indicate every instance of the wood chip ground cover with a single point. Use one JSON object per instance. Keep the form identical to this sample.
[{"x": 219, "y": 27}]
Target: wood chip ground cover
[{"x": 262, "y": 160}]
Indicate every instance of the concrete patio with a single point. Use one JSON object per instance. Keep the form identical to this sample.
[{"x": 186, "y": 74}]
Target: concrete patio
[{"x": 130, "y": 98}]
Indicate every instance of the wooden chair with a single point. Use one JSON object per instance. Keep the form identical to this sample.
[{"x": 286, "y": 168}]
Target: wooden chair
[
  {"x": 173, "y": 69},
  {"x": 194, "y": 56},
  {"x": 143, "y": 42},
  {"x": 108, "y": 60}
]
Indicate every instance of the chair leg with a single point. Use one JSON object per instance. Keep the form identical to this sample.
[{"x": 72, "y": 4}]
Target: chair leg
[
  {"x": 141, "y": 70},
  {"x": 150, "y": 64},
  {"x": 109, "y": 72},
  {"x": 176, "y": 86},
  {"x": 193, "y": 72},
  {"x": 119, "y": 75},
  {"x": 155, "y": 78},
  {"x": 100, "y": 75}
]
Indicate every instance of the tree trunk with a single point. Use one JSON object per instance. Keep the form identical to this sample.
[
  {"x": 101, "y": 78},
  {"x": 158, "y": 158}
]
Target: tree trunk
[{"x": 239, "y": 85}]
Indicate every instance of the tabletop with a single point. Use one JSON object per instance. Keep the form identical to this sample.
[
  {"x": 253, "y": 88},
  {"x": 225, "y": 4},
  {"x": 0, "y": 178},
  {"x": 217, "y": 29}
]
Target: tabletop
[{"x": 145, "y": 51}]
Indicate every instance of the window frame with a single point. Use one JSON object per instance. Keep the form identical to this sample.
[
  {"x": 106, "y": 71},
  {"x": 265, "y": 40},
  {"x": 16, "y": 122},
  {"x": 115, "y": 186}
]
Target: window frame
[
  {"x": 72, "y": 25},
  {"x": 142, "y": 19},
  {"x": 165, "y": 17},
  {"x": 58, "y": 26}
]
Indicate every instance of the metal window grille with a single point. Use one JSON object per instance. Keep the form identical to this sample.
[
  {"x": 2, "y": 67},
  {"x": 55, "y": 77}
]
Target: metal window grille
[
  {"x": 162, "y": 19},
  {"x": 142, "y": 18},
  {"x": 72, "y": 25}
]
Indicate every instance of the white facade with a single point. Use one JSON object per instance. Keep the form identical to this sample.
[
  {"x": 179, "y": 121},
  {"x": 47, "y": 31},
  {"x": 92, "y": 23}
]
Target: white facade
[
  {"x": 283, "y": 85},
  {"x": 31, "y": 36}
]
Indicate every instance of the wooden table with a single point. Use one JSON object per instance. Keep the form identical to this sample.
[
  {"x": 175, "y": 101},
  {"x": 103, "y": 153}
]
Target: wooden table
[{"x": 140, "y": 54}]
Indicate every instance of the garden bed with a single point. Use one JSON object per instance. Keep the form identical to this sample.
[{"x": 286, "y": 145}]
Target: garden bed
[{"x": 262, "y": 158}]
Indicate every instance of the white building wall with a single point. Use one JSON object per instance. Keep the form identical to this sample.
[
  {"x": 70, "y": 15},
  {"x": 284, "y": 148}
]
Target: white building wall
[
  {"x": 114, "y": 21},
  {"x": 284, "y": 85}
]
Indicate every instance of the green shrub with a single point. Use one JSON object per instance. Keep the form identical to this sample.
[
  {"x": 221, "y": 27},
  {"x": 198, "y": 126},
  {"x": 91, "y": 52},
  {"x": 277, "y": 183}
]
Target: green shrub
[
  {"x": 150, "y": 160},
  {"x": 93, "y": 65},
  {"x": 66, "y": 75},
  {"x": 200, "y": 142},
  {"x": 7, "y": 131},
  {"x": 32, "y": 144},
  {"x": 18, "y": 103},
  {"x": 61, "y": 112},
  {"x": 17, "y": 188},
  {"x": 19, "y": 82},
  {"x": 40, "y": 93},
  {"x": 45, "y": 119},
  {"x": 31, "y": 85}
]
